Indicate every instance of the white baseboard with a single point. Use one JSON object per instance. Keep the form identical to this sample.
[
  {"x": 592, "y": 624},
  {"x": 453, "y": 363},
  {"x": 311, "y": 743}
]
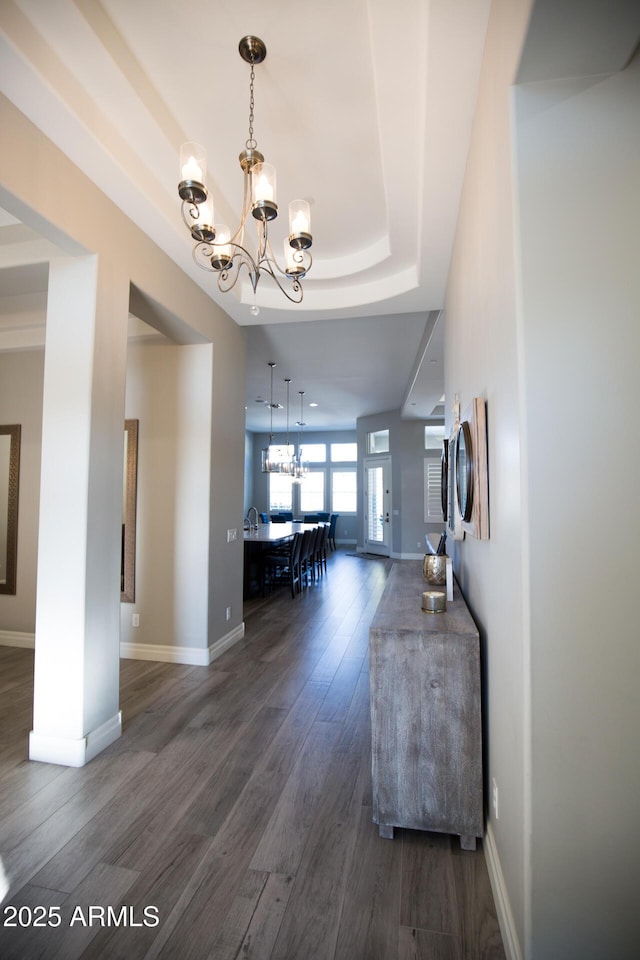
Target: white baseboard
[
  {"x": 501, "y": 897},
  {"x": 193, "y": 656},
  {"x": 12, "y": 638},
  {"x": 218, "y": 648},
  {"x": 71, "y": 752}
]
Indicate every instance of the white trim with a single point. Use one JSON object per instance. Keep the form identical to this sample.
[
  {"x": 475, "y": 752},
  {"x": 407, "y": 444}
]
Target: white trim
[
  {"x": 75, "y": 753},
  {"x": 194, "y": 656},
  {"x": 12, "y": 638},
  {"x": 218, "y": 648},
  {"x": 501, "y": 897}
]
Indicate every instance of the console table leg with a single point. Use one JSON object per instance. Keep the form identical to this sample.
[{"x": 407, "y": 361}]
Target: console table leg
[
  {"x": 385, "y": 831},
  {"x": 468, "y": 843}
]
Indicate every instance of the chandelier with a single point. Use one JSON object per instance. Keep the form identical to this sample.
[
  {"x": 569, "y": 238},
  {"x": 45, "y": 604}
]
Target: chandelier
[
  {"x": 277, "y": 457},
  {"x": 216, "y": 249}
]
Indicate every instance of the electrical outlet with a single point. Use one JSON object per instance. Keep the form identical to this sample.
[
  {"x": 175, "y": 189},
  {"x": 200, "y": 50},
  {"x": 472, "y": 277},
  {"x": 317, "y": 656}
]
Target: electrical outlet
[
  {"x": 228, "y": 613},
  {"x": 135, "y": 619},
  {"x": 232, "y": 535},
  {"x": 494, "y": 798}
]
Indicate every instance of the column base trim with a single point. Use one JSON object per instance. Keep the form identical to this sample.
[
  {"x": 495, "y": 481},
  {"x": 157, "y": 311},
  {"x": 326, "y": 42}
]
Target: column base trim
[{"x": 75, "y": 753}]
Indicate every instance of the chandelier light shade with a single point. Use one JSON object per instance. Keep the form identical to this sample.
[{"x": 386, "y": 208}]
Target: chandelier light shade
[{"x": 216, "y": 248}]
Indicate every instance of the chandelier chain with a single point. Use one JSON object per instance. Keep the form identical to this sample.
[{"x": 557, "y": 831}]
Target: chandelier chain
[{"x": 251, "y": 143}]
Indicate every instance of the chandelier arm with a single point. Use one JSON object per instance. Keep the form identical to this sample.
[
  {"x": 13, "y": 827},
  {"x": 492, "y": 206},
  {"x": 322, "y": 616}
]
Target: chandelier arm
[
  {"x": 204, "y": 250},
  {"x": 262, "y": 231},
  {"x": 237, "y": 265},
  {"x": 301, "y": 257},
  {"x": 190, "y": 213},
  {"x": 238, "y": 237},
  {"x": 296, "y": 287}
]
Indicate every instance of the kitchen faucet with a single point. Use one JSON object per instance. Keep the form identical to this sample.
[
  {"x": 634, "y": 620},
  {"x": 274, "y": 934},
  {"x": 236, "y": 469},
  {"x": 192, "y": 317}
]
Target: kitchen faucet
[{"x": 254, "y": 510}]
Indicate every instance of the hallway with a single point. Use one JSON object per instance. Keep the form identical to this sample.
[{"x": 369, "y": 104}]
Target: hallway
[{"x": 233, "y": 817}]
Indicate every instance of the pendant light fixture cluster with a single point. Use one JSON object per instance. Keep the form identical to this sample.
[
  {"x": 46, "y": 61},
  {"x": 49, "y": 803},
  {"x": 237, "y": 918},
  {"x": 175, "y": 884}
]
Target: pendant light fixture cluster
[
  {"x": 216, "y": 249},
  {"x": 283, "y": 458}
]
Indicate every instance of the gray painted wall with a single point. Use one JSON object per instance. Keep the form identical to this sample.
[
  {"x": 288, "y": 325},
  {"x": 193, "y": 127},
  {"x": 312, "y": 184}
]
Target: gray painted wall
[
  {"x": 407, "y": 453},
  {"x": 578, "y": 145},
  {"x": 541, "y": 321}
]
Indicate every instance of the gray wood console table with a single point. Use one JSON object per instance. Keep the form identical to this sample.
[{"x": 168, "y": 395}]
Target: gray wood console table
[{"x": 426, "y": 728}]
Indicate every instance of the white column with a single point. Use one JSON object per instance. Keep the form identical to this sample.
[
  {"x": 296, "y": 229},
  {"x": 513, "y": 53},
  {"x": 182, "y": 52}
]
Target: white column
[{"x": 76, "y": 700}]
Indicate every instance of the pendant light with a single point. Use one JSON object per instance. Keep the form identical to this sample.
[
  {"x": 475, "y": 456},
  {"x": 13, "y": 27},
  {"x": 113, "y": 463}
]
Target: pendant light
[
  {"x": 277, "y": 457},
  {"x": 300, "y": 466}
]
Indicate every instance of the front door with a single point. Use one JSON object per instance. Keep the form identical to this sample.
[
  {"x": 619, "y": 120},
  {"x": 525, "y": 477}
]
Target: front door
[{"x": 377, "y": 492}]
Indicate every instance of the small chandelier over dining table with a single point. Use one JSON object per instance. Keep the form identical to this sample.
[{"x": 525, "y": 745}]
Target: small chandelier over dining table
[
  {"x": 277, "y": 457},
  {"x": 216, "y": 249}
]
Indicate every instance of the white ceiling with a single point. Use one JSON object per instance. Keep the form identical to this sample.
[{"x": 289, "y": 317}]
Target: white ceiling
[{"x": 364, "y": 107}]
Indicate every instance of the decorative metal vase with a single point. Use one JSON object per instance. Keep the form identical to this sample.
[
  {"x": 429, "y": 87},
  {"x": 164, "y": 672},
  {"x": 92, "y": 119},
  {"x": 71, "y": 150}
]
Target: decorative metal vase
[{"x": 434, "y": 568}]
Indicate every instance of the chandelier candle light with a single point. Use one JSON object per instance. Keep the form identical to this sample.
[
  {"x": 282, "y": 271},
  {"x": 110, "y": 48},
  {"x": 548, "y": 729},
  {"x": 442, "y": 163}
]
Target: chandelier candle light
[{"x": 215, "y": 248}]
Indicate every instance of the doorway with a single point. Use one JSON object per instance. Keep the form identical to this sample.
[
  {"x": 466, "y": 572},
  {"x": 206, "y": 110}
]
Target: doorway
[{"x": 377, "y": 506}]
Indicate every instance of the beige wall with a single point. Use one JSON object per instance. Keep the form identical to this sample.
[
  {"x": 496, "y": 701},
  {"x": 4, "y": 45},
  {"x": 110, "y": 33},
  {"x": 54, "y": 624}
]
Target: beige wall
[
  {"x": 169, "y": 393},
  {"x": 40, "y": 185},
  {"x": 21, "y": 402}
]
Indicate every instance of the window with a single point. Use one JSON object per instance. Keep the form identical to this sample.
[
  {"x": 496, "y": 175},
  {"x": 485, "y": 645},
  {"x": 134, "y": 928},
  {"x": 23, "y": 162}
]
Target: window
[
  {"x": 342, "y": 452},
  {"x": 280, "y": 493},
  {"x": 312, "y": 492},
  {"x": 433, "y": 436},
  {"x": 378, "y": 441},
  {"x": 314, "y": 452},
  {"x": 343, "y": 491},
  {"x": 432, "y": 491}
]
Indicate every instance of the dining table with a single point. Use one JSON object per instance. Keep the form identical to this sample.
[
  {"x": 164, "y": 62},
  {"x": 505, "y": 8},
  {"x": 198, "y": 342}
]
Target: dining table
[{"x": 261, "y": 538}]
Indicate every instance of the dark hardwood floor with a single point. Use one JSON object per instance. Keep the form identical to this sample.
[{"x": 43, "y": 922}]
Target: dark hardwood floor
[{"x": 233, "y": 817}]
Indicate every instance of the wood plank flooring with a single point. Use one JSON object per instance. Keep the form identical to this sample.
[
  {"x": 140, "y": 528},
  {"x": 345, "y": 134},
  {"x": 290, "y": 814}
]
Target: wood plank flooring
[{"x": 233, "y": 817}]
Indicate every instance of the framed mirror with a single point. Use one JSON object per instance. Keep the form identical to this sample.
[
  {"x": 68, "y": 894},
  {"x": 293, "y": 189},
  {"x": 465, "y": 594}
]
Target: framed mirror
[
  {"x": 129, "y": 507},
  {"x": 9, "y": 478},
  {"x": 464, "y": 471},
  {"x": 444, "y": 478}
]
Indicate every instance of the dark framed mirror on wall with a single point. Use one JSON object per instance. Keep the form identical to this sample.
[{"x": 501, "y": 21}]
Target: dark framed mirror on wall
[
  {"x": 9, "y": 484},
  {"x": 129, "y": 512},
  {"x": 464, "y": 471}
]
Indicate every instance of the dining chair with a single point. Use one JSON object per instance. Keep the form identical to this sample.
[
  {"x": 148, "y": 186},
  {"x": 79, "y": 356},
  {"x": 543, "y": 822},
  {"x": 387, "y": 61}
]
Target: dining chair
[
  {"x": 321, "y": 549},
  {"x": 306, "y": 557},
  {"x": 283, "y": 565},
  {"x": 332, "y": 530}
]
